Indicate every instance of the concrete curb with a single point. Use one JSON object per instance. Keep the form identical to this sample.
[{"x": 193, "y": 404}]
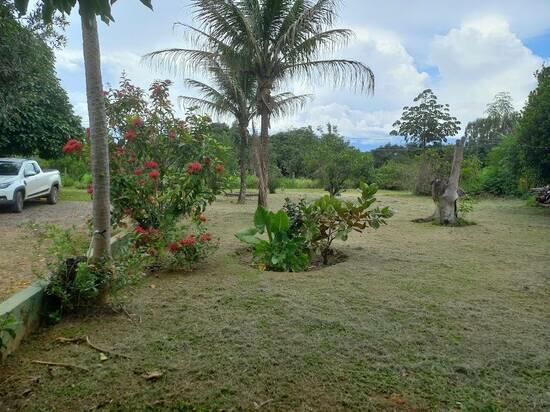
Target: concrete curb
[{"x": 26, "y": 305}]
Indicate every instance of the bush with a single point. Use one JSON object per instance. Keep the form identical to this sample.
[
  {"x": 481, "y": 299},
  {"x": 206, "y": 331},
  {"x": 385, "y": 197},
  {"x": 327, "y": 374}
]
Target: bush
[
  {"x": 302, "y": 230},
  {"x": 299, "y": 183},
  {"x": 8, "y": 325},
  {"x": 395, "y": 175},
  {"x": 282, "y": 251}
]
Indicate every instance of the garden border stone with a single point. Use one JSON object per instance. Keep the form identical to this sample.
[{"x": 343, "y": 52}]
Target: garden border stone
[{"x": 26, "y": 305}]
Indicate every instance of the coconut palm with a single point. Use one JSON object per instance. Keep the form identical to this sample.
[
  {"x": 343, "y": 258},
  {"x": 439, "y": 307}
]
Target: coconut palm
[
  {"x": 89, "y": 10},
  {"x": 234, "y": 94},
  {"x": 277, "y": 41}
]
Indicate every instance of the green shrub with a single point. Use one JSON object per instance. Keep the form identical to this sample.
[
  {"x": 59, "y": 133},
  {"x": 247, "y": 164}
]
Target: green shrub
[
  {"x": 282, "y": 251},
  {"x": 330, "y": 218},
  {"x": 396, "y": 175},
  {"x": 68, "y": 181},
  {"x": 8, "y": 325},
  {"x": 304, "y": 229}
]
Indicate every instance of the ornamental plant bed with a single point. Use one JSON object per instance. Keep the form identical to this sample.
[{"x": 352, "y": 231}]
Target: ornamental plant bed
[{"x": 302, "y": 232}]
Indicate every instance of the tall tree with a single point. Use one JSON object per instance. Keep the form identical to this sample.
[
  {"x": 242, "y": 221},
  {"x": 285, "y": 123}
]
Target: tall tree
[
  {"x": 534, "y": 130},
  {"x": 426, "y": 123},
  {"x": 485, "y": 133},
  {"x": 89, "y": 10},
  {"x": 277, "y": 41},
  {"x": 234, "y": 93},
  {"x": 35, "y": 113}
]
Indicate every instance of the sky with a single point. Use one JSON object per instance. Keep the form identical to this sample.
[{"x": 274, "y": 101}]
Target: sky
[{"x": 466, "y": 51}]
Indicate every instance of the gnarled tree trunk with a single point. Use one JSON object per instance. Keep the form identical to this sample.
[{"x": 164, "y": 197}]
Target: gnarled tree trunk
[
  {"x": 448, "y": 213},
  {"x": 101, "y": 242},
  {"x": 243, "y": 158},
  {"x": 445, "y": 193}
]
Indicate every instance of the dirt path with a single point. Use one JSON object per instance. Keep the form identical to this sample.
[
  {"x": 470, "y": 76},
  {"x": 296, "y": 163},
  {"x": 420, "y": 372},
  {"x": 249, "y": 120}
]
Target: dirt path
[{"x": 18, "y": 256}]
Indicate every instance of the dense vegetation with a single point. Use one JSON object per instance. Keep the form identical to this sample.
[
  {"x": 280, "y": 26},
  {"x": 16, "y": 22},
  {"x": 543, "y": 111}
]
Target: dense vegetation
[{"x": 35, "y": 114}]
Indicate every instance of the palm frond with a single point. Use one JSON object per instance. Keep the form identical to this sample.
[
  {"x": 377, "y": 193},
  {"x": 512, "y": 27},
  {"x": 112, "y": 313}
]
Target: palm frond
[
  {"x": 340, "y": 72},
  {"x": 204, "y": 105},
  {"x": 288, "y": 103},
  {"x": 179, "y": 61}
]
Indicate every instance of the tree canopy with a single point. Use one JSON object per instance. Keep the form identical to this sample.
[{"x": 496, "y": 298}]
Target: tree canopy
[
  {"x": 427, "y": 123},
  {"x": 35, "y": 113},
  {"x": 534, "y": 130}
]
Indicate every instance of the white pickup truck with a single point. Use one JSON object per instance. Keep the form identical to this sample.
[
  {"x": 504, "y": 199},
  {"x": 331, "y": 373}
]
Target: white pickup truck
[{"x": 22, "y": 179}]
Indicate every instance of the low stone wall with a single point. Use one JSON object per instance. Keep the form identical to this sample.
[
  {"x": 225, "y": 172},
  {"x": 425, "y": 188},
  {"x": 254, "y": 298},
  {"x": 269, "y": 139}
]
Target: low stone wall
[{"x": 26, "y": 306}]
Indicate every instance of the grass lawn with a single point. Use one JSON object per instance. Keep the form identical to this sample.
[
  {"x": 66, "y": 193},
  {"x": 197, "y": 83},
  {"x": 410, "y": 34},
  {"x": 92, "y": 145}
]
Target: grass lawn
[
  {"x": 419, "y": 317},
  {"x": 72, "y": 193}
]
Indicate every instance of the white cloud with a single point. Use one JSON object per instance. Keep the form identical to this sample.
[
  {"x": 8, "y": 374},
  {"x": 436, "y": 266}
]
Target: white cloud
[
  {"x": 479, "y": 59},
  {"x": 69, "y": 59},
  {"x": 366, "y": 118}
]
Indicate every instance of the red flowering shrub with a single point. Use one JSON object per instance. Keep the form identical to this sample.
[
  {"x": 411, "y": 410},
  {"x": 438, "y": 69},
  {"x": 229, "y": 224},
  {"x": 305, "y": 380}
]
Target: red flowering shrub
[
  {"x": 177, "y": 185},
  {"x": 72, "y": 146},
  {"x": 194, "y": 167}
]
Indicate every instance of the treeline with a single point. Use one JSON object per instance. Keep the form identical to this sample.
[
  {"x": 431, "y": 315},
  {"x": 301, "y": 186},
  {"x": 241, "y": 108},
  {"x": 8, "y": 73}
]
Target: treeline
[{"x": 507, "y": 152}]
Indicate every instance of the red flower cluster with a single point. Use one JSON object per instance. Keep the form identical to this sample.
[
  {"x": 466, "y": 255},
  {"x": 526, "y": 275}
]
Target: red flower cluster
[
  {"x": 194, "y": 167},
  {"x": 140, "y": 230},
  {"x": 137, "y": 121},
  {"x": 188, "y": 241},
  {"x": 138, "y": 172},
  {"x": 173, "y": 247},
  {"x": 154, "y": 174},
  {"x": 220, "y": 168},
  {"x": 130, "y": 134},
  {"x": 207, "y": 237},
  {"x": 90, "y": 189},
  {"x": 151, "y": 164},
  {"x": 72, "y": 146}
]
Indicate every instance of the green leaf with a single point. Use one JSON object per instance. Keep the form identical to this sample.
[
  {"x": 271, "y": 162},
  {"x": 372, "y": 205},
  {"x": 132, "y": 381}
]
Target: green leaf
[{"x": 261, "y": 219}]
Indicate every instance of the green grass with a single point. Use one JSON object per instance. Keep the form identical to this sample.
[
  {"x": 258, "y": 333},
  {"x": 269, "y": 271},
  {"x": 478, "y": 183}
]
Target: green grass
[
  {"x": 71, "y": 194},
  {"x": 420, "y": 317}
]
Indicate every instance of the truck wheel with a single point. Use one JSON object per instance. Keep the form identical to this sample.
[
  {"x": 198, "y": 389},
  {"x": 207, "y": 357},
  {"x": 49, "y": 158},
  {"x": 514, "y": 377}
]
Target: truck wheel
[
  {"x": 52, "y": 196},
  {"x": 18, "y": 201}
]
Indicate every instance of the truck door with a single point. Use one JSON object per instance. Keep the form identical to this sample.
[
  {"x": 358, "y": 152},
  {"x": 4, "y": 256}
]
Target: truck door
[{"x": 31, "y": 179}]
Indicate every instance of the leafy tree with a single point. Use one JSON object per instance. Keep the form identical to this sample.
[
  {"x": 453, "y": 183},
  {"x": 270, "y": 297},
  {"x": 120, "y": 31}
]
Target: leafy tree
[
  {"x": 382, "y": 155},
  {"x": 334, "y": 161},
  {"x": 427, "y": 123},
  {"x": 289, "y": 150},
  {"x": 35, "y": 113},
  {"x": 101, "y": 245},
  {"x": 534, "y": 130},
  {"x": 484, "y": 133},
  {"x": 277, "y": 41}
]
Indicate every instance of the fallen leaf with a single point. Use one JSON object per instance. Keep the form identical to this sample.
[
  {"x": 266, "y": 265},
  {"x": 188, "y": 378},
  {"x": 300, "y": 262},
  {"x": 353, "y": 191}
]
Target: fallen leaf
[
  {"x": 152, "y": 376},
  {"x": 103, "y": 357},
  {"x": 152, "y": 286}
]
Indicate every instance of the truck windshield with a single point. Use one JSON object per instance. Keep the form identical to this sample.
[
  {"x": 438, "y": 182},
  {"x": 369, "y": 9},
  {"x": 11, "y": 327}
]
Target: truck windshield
[{"x": 9, "y": 168}]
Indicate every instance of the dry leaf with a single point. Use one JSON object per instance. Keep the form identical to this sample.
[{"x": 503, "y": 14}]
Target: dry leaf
[
  {"x": 152, "y": 286},
  {"x": 103, "y": 357},
  {"x": 152, "y": 376}
]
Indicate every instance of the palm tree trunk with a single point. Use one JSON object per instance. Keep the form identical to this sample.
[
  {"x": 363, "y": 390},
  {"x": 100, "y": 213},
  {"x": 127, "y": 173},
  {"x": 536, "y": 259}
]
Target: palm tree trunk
[
  {"x": 243, "y": 158},
  {"x": 101, "y": 244},
  {"x": 263, "y": 188}
]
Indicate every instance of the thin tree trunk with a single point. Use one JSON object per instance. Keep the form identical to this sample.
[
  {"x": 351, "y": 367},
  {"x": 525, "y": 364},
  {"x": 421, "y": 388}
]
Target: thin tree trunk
[
  {"x": 263, "y": 189},
  {"x": 447, "y": 204},
  {"x": 243, "y": 158},
  {"x": 101, "y": 244}
]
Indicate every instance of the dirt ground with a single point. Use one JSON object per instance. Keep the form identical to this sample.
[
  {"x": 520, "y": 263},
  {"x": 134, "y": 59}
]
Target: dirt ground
[
  {"x": 18, "y": 256},
  {"x": 419, "y": 317}
]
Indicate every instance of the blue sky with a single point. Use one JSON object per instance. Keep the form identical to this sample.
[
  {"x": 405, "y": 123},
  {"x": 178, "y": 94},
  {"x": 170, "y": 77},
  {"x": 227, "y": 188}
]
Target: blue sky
[{"x": 466, "y": 51}]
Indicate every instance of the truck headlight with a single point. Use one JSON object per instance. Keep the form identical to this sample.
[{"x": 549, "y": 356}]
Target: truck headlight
[{"x": 5, "y": 185}]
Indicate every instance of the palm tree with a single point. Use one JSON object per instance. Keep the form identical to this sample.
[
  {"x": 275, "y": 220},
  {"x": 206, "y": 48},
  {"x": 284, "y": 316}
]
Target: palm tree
[
  {"x": 276, "y": 41},
  {"x": 101, "y": 241},
  {"x": 234, "y": 93}
]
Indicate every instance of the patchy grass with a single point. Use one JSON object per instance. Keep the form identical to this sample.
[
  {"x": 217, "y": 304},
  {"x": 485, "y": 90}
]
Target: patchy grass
[
  {"x": 71, "y": 193},
  {"x": 420, "y": 317}
]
